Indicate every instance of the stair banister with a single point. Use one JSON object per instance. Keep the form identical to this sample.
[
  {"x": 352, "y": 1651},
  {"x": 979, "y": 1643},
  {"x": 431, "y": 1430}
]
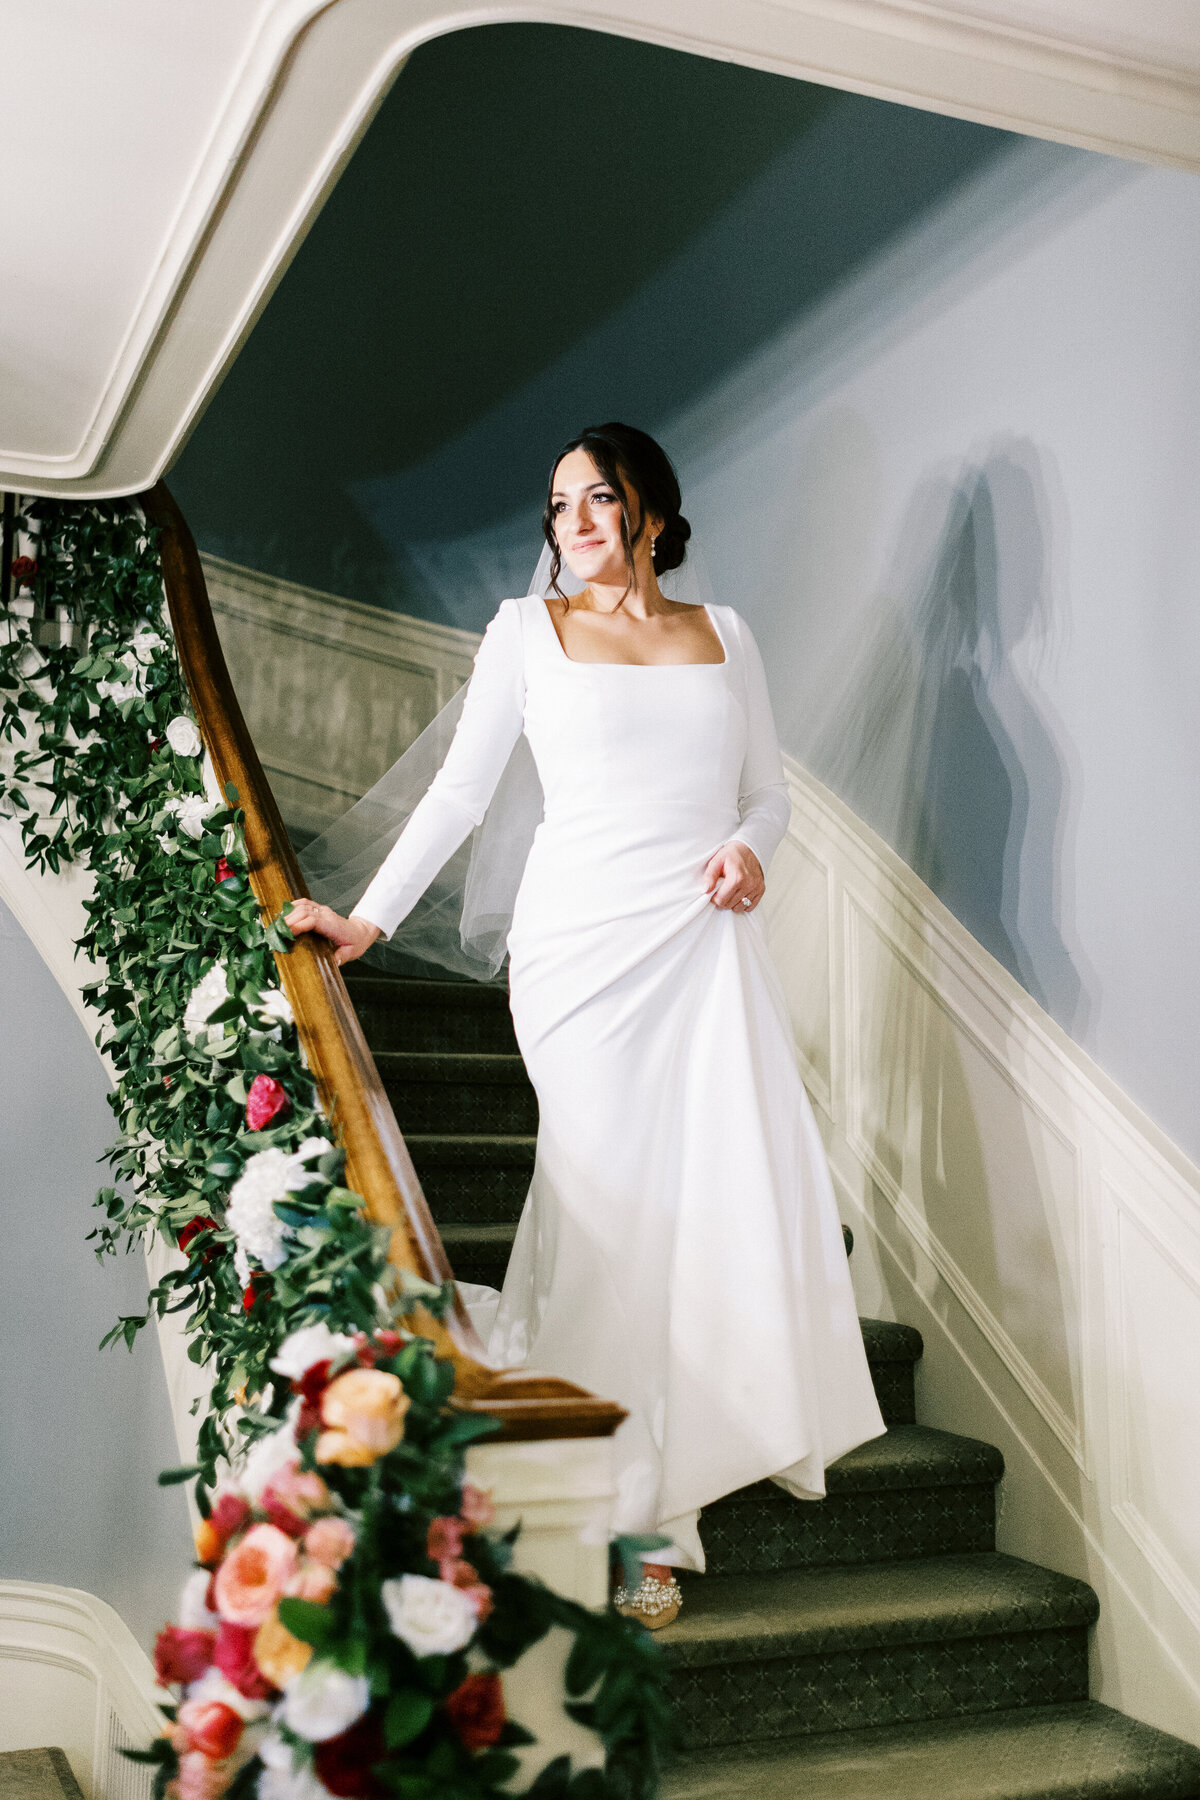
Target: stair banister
[{"x": 378, "y": 1165}]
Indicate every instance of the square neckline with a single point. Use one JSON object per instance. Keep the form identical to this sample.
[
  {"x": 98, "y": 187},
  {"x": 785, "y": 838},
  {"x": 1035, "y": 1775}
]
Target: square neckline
[{"x": 574, "y": 663}]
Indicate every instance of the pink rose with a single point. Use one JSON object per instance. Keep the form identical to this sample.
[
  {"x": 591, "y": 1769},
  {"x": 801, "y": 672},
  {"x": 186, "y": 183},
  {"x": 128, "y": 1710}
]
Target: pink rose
[
  {"x": 312, "y": 1581},
  {"x": 329, "y": 1541},
  {"x": 252, "y": 1577},
  {"x": 181, "y": 1655},
  {"x": 444, "y": 1540},
  {"x": 476, "y": 1509},
  {"x": 200, "y": 1779},
  {"x": 229, "y": 1515},
  {"x": 292, "y": 1497},
  {"x": 265, "y": 1101},
  {"x": 212, "y": 1727},
  {"x": 234, "y": 1656}
]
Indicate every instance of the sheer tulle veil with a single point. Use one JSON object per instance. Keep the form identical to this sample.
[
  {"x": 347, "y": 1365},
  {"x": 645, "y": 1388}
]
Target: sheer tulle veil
[{"x": 462, "y": 921}]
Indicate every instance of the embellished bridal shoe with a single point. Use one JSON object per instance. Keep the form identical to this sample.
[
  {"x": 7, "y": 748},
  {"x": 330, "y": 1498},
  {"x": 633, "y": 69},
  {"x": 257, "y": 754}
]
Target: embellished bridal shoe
[{"x": 654, "y": 1603}]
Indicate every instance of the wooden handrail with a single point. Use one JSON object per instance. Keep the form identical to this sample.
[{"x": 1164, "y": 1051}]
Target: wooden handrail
[{"x": 378, "y": 1165}]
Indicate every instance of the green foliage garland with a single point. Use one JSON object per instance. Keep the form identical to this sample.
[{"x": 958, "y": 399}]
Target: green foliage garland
[{"x": 101, "y": 767}]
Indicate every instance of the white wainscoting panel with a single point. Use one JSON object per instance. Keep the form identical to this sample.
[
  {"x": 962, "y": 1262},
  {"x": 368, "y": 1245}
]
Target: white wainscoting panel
[
  {"x": 1015, "y": 1206},
  {"x": 333, "y": 690},
  {"x": 73, "y": 1675}
]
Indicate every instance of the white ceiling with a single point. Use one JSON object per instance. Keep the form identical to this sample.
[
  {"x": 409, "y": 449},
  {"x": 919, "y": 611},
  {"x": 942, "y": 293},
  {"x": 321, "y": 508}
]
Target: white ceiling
[{"x": 162, "y": 162}]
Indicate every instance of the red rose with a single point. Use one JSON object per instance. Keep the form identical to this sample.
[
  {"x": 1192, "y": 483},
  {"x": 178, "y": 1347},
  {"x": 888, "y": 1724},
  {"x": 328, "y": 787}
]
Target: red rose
[
  {"x": 224, "y": 872},
  {"x": 344, "y": 1763},
  {"x": 23, "y": 570},
  {"x": 229, "y": 1515},
  {"x": 310, "y": 1387},
  {"x": 265, "y": 1101},
  {"x": 192, "y": 1229},
  {"x": 257, "y": 1284},
  {"x": 182, "y": 1655},
  {"x": 212, "y": 1727},
  {"x": 476, "y": 1711},
  {"x": 234, "y": 1656}
]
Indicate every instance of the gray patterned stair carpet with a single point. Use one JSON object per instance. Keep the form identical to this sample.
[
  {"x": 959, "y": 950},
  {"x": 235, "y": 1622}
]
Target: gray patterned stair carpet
[
  {"x": 870, "y": 1646},
  {"x": 37, "y": 1775}
]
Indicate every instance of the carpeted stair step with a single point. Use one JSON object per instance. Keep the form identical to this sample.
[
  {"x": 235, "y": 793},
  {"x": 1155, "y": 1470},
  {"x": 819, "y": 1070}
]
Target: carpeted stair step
[
  {"x": 37, "y": 1775},
  {"x": 438, "y": 1016},
  {"x": 470, "y": 1091},
  {"x": 755, "y": 1658},
  {"x": 915, "y": 1492},
  {"x": 1081, "y": 1751},
  {"x": 478, "y": 1252},
  {"x": 893, "y": 1352},
  {"x": 473, "y": 1179}
]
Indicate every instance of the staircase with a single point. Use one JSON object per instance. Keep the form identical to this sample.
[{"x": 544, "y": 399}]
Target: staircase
[{"x": 870, "y": 1646}]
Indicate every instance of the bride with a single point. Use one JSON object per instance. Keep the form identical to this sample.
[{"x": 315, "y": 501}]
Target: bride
[{"x": 679, "y": 1250}]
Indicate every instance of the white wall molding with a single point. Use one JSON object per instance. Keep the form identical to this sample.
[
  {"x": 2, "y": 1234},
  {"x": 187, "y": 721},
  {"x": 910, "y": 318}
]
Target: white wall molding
[
  {"x": 1020, "y": 1210},
  {"x": 273, "y": 99},
  {"x": 73, "y": 1675}
]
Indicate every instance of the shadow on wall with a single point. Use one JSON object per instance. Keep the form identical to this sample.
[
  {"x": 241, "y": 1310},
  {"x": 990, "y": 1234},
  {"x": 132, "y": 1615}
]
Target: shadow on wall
[{"x": 941, "y": 737}]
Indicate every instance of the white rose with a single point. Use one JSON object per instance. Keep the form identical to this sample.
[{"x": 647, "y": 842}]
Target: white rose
[
  {"x": 212, "y": 1685},
  {"x": 191, "y": 810},
  {"x": 268, "y": 1456},
  {"x": 274, "y": 1008},
  {"x": 183, "y": 737},
  {"x": 119, "y": 691},
  {"x": 311, "y": 1344},
  {"x": 322, "y": 1701},
  {"x": 282, "y": 1778},
  {"x": 211, "y": 991},
  {"x": 144, "y": 643},
  {"x": 193, "y": 1609},
  {"x": 431, "y": 1617}
]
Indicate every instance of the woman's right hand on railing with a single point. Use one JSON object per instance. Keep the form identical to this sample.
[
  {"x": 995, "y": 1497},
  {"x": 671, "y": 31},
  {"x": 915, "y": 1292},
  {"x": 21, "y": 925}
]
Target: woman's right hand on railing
[{"x": 352, "y": 936}]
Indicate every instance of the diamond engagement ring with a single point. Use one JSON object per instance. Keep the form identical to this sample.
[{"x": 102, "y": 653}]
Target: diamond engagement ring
[{"x": 746, "y": 903}]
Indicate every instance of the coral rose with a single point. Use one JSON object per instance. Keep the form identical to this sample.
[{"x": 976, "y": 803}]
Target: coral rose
[
  {"x": 365, "y": 1411},
  {"x": 462, "y": 1576},
  {"x": 212, "y": 1727},
  {"x": 253, "y": 1575},
  {"x": 278, "y": 1654},
  {"x": 476, "y": 1711},
  {"x": 312, "y": 1581},
  {"x": 182, "y": 1655},
  {"x": 291, "y": 1498},
  {"x": 329, "y": 1541}
]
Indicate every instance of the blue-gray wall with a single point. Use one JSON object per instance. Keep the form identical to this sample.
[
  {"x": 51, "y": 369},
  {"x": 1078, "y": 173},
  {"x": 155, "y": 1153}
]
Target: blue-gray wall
[
  {"x": 83, "y": 1432},
  {"x": 934, "y": 392}
]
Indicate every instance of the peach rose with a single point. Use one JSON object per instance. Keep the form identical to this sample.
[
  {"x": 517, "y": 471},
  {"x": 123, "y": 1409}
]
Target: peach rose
[
  {"x": 312, "y": 1581},
  {"x": 364, "y": 1409},
  {"x": 329, "y": 1541},
  {"x": 278, "y": 1654},
  {"x": 254, "y": 1575}
]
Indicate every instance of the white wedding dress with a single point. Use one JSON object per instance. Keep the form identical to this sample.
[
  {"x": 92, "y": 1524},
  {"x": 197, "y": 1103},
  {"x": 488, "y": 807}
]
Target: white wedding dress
[{"x": 680, "y": 1250}]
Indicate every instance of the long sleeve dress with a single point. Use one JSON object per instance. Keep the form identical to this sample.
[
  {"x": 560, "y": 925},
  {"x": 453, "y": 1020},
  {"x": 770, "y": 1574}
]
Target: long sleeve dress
[{"x": 680, "y": 1249}]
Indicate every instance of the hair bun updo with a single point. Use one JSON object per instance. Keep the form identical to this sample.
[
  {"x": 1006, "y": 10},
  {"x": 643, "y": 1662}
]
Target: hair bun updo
[{"x": 670, "y": 547}]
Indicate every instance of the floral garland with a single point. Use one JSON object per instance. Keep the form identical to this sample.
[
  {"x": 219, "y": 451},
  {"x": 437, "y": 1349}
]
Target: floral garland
[{"x": 350, "y": 1616}]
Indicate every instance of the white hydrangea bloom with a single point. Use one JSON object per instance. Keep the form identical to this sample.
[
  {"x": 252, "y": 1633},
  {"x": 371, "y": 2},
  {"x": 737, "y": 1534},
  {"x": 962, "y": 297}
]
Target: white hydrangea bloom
[
  {"x": 311, "y": 1344},
  {"x": 183, "y": 736},
  {"x": 268, "y": 1176},
  {"x": 322, "y": 1701},
  {"x": 274, "y": 1008},
  {"x": 211, "y": 991},
  {"x": 431, "y": 1617}
]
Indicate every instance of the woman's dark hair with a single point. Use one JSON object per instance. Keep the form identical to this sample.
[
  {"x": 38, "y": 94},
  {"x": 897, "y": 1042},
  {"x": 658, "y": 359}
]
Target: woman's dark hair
[{"x": 627, "y": 458}]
